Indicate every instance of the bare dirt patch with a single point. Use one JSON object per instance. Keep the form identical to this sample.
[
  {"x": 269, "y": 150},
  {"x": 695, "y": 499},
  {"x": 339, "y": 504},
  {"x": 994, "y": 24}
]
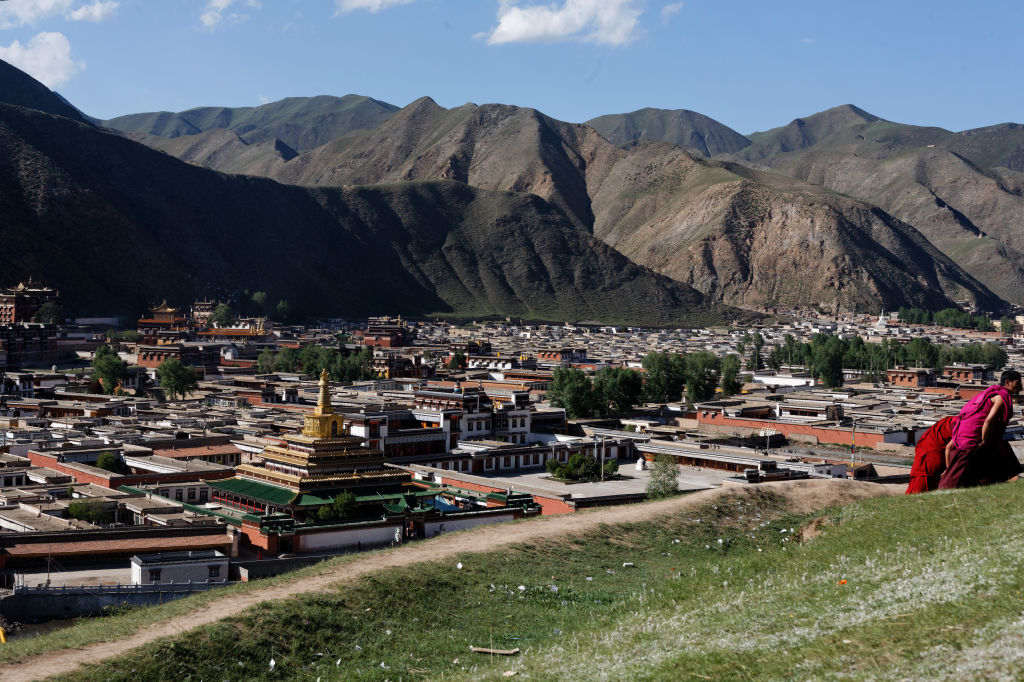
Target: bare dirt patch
[{"x": 802, "y": 497}]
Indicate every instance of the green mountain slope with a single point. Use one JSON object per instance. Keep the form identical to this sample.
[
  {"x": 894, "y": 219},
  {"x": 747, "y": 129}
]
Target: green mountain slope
[
  {"x": 302, "y": 123},
  {"x": 688, "y": 129}
]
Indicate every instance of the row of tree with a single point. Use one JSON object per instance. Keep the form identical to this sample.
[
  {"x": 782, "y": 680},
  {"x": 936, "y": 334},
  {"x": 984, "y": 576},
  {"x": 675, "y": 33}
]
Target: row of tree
[
  {"x": 664, "y": 379},
  {"x": 826, "y": 355},
  {"x": 702, "y": 375},
  {"x": 311, "y": 359},
  {"x": 953, "y": 317},
  {"x": 177, "y": 380}
]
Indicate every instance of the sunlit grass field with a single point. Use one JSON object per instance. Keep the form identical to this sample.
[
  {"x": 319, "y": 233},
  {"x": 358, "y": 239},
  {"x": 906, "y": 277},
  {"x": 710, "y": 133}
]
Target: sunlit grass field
[{"x": 907, "y": 587}]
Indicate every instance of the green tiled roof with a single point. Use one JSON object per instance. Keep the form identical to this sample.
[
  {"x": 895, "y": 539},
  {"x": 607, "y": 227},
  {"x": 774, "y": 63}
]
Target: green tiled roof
[{"x": 255, "y": 490}]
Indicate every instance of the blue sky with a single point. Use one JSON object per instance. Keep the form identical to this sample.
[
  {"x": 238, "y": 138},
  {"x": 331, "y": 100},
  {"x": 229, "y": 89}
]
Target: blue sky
[{"x": 752, "y": 65}]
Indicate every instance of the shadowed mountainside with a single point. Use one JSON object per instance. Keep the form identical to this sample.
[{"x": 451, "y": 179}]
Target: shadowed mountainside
[
  {"x": 117, "y": 226},
  {"x": 655, "y": 202}
]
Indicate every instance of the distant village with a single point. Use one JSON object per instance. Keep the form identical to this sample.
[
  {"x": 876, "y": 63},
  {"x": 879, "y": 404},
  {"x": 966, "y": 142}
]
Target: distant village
[{"x": 272, "y": 445}]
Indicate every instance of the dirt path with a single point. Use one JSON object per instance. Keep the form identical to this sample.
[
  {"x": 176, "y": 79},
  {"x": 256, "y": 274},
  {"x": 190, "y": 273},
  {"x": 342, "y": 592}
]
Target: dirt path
[{"x": 804, "y": 496}]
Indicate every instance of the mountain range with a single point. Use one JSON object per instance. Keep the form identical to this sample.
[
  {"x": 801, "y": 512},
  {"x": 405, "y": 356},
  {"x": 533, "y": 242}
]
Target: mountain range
[
  {"x": 349, "y": 205},
  {"x": 117, "y": 226}
]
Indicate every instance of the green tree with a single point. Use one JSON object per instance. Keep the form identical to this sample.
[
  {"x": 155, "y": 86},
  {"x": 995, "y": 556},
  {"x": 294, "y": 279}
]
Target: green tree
[
  {"x": 664, "y": 376},
  {"x": 283, "y": 310},
  {"x": 110, "y": 369},
  {"x": 223, "y": 316},
  {"x": 664, "y": 481},
  {"x": 260, "y": 303},
  {"x": 730, "y": 375},
  {"x": 92, "y": 511},
  {"x": 827, "y": 363},
  {"x": 618, "y": 387},
  {"x": 265, "y": 361},
  {"x": 1006, "y": 324},
  {"x": 108, "y": 461},
  {"x": 458, "y": 361},
  {"x": 286, "y": 360},
  {"x": 340, "y": 509},
  {"x": 702, "y": 376},
  {"x": 611, "y": 468},
  {"x": 50, "y": 312},
  {"x": 178, "y": 380},
  {"x": 571, "y": 388}
]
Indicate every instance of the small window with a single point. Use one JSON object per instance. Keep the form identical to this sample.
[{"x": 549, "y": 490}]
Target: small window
[
  {"x": 154, "y": 575},
  {"x": 214, "y": 571},
  {"x": 177, "y": 495},
  {"x": 191, "y": 493}
]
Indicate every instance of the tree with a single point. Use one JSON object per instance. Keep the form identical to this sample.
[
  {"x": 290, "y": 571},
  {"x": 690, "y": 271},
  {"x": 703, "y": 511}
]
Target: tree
[
  {"x": 283, "y": 310},
  {"x": 618, "y": 387},
  {"x": 1006, "y": 324},
  {"x": 265, "y": 361},
  {"x": 178, "y": 380},
  {"x": 286, "y": 360},
  {"x": 458, "y": 361},
  {"x": 664, "y": 481},
  {"x": 108, "y": 461},
  {"x": 827, "y": 363},
  {"x": 730, "y": 373},
  {"x": 223, "y": 316},
  {"x": 93, "y": 511},
  {"x": 340, "y": 509},
  {"x": 50, "y": 312},
  {"x": 571, "y": 388},
  {"x": 664, "y": 376},
  {"x": 702, "y": 373},
  {"x": 110, "y": 369},
  {"x": 260, "y": 303}
]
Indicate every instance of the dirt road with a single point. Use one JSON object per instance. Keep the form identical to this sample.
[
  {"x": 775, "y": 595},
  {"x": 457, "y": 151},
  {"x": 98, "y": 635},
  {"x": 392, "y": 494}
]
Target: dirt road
[{"x": 804, "y": 496}]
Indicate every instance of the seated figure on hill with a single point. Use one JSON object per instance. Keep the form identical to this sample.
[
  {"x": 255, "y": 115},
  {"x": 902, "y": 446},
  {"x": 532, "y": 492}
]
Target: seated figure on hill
[
  {"x": 976, "y": 453},
  {"x": 930, "y": 456}
]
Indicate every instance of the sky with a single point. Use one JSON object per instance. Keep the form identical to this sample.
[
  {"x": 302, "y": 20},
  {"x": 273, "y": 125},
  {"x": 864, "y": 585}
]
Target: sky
[{"x": 752, "y": 65}]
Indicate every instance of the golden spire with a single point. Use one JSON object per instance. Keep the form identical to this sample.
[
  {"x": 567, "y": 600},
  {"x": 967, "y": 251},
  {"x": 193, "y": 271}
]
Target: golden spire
[{"x": 323, "y": 405}]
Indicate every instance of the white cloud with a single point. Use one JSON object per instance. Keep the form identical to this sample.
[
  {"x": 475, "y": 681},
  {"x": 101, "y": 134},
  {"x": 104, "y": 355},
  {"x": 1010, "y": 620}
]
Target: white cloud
[
  {"x": 807, "y": 41},
  {"x": 670, "y": 9},
  {"x": 20, "y": 12},
  {"x": 47, "y": 58},
  {"x": 97, "y": 11},
  {"x": 213, "y": 14},
  {"x": 610, "y": 22},
  {"x": 346, "y": 6}
]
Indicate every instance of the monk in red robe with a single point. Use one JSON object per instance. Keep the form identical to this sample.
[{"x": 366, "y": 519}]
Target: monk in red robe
[
  {"x": 976, "y": 453},
  {"x": 930, "y": 457}
]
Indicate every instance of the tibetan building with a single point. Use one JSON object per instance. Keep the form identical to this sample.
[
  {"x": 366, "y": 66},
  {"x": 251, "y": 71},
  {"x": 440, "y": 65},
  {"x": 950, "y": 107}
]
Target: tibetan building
[{"x": 309, "y": 468}]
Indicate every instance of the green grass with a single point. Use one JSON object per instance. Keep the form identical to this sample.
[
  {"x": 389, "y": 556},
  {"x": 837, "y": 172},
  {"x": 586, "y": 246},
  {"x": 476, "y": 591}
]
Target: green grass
[
  {"x": 932, "y": 590},
  {"x": 129, "y": 621}
]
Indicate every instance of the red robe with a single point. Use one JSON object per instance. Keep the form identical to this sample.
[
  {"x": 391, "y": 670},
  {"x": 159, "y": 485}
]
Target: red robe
[{"x": 930, "y": 456}]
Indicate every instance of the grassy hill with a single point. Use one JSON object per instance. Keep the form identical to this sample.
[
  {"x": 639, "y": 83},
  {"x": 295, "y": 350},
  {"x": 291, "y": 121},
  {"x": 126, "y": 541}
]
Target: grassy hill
[{"x": 749, "y": 584}]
